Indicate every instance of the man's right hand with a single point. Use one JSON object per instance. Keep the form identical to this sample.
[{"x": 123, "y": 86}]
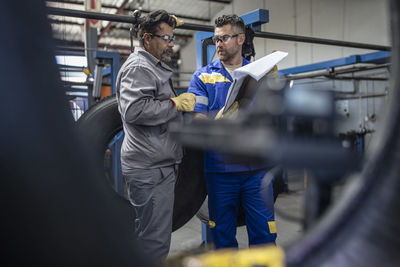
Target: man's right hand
[{"x": 184, "y": 102}]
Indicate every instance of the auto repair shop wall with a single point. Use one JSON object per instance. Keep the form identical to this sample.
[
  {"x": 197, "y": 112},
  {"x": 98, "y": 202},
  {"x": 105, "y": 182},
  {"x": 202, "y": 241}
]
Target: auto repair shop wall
[{"x": 363, "y": 21}]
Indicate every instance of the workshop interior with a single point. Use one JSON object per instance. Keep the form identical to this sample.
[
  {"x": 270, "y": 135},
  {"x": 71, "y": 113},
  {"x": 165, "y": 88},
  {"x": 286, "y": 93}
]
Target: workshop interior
[{"x": 330, "y": 121}]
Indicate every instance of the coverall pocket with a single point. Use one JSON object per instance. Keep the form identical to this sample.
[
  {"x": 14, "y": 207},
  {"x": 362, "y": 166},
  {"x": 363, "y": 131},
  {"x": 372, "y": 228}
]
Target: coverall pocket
[{"x": 141, "y": 186}]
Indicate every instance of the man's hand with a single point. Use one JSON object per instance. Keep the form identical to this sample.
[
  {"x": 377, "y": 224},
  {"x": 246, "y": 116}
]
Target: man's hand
[
  {"x": 273, "y": 73},
  {"x": 231, "y": 113},
  {"x": 184, "y": 102}
]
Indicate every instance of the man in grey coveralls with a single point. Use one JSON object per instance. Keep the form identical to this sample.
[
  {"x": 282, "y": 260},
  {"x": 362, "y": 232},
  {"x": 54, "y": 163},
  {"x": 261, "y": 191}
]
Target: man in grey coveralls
[{"x": 149, "y": 156}]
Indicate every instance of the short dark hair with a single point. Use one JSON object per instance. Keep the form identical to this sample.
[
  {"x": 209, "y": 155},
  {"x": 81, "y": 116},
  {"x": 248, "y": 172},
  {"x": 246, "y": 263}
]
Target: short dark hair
[
  {"x": 236, "y": 22},
  {"x": 151, "y": 22}
]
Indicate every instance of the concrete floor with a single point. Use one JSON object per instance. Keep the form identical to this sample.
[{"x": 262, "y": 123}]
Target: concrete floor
[{"x": 189, "y": 237}]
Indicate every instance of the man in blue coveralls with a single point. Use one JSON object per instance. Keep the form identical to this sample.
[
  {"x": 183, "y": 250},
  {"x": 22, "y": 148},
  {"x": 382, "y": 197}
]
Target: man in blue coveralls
[{"x": 229, "y": 184}]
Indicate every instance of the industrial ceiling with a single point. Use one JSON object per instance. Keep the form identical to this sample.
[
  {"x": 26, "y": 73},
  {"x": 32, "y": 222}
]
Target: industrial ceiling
[{"x": 69, "y": 31}]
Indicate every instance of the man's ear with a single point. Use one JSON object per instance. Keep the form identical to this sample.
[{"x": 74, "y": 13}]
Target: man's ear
[
  {"x": 146, "y": 40},
  {"x": 241, "y": 38}
]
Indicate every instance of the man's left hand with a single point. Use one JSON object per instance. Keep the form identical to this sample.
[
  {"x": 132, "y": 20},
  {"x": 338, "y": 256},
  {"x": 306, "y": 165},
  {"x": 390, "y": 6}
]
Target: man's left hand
[
  {"x": 231, "y": 113},
  {"x": 184, "y": 102}
]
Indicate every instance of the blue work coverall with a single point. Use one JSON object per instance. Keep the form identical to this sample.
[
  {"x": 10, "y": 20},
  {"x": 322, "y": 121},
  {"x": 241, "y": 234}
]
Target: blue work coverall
[{"x": 227, "y": 183}]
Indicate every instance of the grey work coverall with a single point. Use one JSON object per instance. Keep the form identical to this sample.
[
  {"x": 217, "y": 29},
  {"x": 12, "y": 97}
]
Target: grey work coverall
[{"x": 148, "y": 154}]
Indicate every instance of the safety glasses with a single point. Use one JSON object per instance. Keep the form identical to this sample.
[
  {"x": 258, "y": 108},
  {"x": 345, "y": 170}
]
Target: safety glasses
[
  {"x": 224, "y": 38},
  {"x": 164, "y": 37}
]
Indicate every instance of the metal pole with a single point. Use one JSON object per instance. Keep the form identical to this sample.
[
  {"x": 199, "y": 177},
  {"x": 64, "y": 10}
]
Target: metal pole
[
  {"x": 332, "y": 75},
  {"x": 209, "y": 28},
  {"x": 90, "y": 15},
  {"x": 344, "y": 96},
  {"x": 314, "y": 40}
]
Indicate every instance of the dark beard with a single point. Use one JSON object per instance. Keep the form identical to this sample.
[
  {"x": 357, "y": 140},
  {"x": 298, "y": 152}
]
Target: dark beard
[
  {"x": 166, "y": 55},
  {"x": 228, "y": 56}
]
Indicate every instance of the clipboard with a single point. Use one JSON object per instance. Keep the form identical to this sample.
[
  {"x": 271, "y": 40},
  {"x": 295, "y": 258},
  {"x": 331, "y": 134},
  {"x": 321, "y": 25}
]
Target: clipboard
[
  {"x": 248, "y": 79},
  {"x": 242, "y": 91}
]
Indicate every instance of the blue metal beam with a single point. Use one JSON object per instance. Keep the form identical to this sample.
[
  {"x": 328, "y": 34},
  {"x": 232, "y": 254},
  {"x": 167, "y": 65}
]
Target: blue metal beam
[
  {"x": 256, "y": 18},
  {"x": 380, "y": 57},
  {"x": 115, "y": 59},
  {"x": 200, "y": 36},
  {"x": 375, "y": 57}
]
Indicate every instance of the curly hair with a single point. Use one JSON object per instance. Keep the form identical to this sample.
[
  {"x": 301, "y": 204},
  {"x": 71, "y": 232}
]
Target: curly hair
[
  {"x": 150, "y": 23},
  {"x": 236, "y": 22}
]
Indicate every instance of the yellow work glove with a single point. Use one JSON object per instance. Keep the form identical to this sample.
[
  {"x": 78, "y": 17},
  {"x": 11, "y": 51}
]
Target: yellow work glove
[
  {"x": 184, "y": 102},
  {"x": 231, "y": 113},
  {"x": 273, "y": 73}
]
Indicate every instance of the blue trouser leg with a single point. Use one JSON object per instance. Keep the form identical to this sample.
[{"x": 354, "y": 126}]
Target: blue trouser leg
[
  {"x": 259, "y": 214},
  {"x": 223, "y": 201},
  {"x": 224, "y": 192}
]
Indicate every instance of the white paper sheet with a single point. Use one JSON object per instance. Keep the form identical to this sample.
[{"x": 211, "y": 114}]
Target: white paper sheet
[
  {"x": 260, "y": 67},
  {"x": 256, "y": 70}
]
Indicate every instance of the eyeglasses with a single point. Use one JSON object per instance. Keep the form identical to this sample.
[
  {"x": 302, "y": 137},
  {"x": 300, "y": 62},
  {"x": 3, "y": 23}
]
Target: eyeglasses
[
  {"x": 224, "y": 38},
  {"x": 164, "y": 37}
]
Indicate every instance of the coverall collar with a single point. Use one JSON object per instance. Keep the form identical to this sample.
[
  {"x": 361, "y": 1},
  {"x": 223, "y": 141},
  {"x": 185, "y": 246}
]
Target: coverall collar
[
  {"x": 151, "y": 58},
  {"x": 217, "y": 65}
]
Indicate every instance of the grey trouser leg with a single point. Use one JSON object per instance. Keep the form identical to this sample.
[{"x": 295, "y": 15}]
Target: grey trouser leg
[{"x": 151, "y": 192}]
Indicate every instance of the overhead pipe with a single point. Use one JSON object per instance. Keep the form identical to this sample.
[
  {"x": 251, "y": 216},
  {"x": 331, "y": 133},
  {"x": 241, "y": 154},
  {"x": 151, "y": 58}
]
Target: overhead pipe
[
  {"x": 90, "y": 15},
  {"x": 306, "y": 39},
  {"x": 333, "y": 75},
  {"x": 348, "y": 97},
  {"x": 209, "y": 28}
]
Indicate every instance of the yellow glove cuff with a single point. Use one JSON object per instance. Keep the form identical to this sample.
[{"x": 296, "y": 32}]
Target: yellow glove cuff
[{"x": 184, "y": 102}]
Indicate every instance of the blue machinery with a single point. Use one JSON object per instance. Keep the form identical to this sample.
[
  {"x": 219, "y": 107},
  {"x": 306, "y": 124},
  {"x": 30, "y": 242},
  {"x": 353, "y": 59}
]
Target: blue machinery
[
  {"x": 113, "y": 163},
  {"x": 115, "y": 59},
  {"x": 380, "y": 57}
]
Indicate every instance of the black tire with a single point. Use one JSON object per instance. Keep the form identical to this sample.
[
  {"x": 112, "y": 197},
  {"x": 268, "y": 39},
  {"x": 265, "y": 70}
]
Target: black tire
[{"x": 103, "y": 121}]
